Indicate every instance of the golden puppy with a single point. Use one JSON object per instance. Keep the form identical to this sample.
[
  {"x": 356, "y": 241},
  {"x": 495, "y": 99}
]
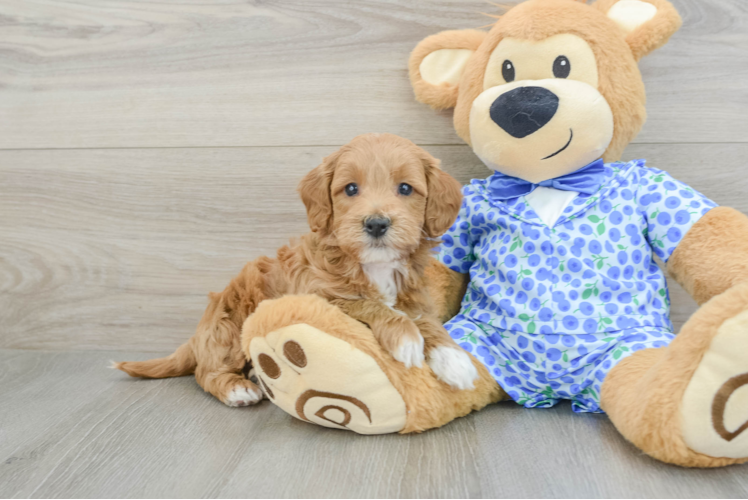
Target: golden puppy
[{"x": 376, "y": 208}]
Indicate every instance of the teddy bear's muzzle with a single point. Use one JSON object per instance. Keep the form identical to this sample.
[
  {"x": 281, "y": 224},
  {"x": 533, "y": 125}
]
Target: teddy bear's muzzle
[{"x": 540, "y": 129}]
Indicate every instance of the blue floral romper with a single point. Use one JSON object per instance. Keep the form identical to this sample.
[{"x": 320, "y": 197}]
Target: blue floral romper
[{"x": 550, "y": 310}]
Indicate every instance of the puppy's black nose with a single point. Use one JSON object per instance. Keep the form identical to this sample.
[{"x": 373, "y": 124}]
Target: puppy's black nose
[
  {"x": 524, "y": 110},
  {"x": 376, "y": 226}
]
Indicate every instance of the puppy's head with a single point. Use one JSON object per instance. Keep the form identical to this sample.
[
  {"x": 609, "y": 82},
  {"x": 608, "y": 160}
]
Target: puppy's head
[{"x": 379, "y": 196}]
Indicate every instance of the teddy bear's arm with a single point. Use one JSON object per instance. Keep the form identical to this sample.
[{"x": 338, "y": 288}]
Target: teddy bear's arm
[
  {"x": 446, "y": 288},
  {"x": 713, "y": 255}
]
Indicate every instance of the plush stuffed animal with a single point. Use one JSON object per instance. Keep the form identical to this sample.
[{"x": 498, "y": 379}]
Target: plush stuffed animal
[{"x": 564, "y": 299}]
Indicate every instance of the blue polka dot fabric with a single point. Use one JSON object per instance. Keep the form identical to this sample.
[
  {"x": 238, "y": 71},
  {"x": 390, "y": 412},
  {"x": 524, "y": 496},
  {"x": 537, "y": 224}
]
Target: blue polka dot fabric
[
  {"x": 539, "y": 370},
  {"x": 568, "y": 302}
]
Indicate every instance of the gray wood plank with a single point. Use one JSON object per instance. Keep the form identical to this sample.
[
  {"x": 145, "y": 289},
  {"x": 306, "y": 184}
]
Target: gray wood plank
[
  {"x": 556, "y": 453},
  {"x": 187, "y": 73},
  {"x": 74, "y": 428},
  {"x": 70, "y": 428},
  {"x": 117, "y": 249}
]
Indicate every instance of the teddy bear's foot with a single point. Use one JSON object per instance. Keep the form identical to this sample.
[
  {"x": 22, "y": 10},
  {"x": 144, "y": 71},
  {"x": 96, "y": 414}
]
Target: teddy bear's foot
[
  {"x": 687, "y": 403},
  {"x": 322, "y": 366},
  {"x": 318, "y": 378},
  {"x": 715, "y": 405}
]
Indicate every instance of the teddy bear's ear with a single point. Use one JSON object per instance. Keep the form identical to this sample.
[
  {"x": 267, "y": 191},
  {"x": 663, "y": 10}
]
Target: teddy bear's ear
[
  {"x": 647, "y": 24},
  {"x": 437, "y": 63}
]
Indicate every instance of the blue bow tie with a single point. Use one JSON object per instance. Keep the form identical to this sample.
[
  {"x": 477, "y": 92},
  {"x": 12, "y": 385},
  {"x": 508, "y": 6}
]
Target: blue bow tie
[{"x": 587, "y": 180}]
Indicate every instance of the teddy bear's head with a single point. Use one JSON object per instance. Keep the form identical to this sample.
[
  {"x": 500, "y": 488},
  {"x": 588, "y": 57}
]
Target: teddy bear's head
[{"x": 553, "y": 86}]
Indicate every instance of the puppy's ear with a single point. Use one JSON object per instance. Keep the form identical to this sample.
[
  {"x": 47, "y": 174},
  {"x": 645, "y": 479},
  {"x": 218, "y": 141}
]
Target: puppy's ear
[
  {"x": 444, "y": 198},
  {"x": 314, "y": 189},
  {"x": 437, "y": 63}
]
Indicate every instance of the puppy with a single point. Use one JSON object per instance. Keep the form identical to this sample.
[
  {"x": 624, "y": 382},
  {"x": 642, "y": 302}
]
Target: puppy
[{"x": 376, "y": 208}]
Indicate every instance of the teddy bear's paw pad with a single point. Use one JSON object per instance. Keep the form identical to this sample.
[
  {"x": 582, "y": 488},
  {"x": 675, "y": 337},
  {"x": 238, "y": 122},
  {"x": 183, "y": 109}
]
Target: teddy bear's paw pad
[
  {"x": 319, "y": 378},
  {"x": 243, "y": 396},
  {"x": 453, "y": 366},
  {"x": 715, "y": 403}
]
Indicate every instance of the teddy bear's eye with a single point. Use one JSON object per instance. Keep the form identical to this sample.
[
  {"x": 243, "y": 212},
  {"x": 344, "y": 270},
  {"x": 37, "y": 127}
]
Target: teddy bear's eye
[
  {"x": 561, "y": 67},
  {"x": 507, "y": 71}
]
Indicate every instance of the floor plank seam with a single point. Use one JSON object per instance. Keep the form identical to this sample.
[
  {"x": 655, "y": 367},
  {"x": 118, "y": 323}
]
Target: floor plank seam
[{"x": 298, "y": 146}]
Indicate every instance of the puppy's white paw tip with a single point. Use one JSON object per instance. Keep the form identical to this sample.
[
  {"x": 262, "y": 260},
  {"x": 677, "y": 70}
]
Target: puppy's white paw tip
[
  {"x": 243, "y": 396},
  {"x": 453, "y": 366},
  {"x": 410, "y": 353}
]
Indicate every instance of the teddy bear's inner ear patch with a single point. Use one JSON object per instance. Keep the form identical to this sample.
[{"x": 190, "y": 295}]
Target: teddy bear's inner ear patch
[
  {"x": 630, "y": 14},
  {"x": 444, "y": 66}
]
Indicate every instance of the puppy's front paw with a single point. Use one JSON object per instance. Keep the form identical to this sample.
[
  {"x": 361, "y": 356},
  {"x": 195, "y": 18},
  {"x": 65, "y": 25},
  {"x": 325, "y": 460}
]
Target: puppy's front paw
[
  {"x": 243, "y": 396},
  {"x": 402, "y": 339},
  {"x": 453, "y": 366},
  {"x": 410, "y": 351}
]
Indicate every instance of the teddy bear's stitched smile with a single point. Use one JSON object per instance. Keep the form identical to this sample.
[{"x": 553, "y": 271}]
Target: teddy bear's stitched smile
[{"x": 571, "y": 136}]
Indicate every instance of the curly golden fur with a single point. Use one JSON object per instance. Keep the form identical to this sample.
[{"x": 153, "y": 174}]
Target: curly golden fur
[{"x": 339, "y": 261}]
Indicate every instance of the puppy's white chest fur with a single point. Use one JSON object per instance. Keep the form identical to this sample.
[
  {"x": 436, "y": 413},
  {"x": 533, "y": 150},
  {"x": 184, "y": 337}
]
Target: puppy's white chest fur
[{"x": 386, "y": 276}]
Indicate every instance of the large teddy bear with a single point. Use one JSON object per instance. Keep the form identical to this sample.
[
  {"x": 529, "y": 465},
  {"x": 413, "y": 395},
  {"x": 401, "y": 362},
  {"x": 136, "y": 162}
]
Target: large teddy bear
[{"x": 548, "y": 276}]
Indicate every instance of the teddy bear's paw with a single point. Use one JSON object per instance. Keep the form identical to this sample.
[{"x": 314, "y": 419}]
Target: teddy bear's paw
[
  {"x": 243, "y": 396},
  {"x": 453, "y": 366},
  {"x": 319, "y": 378},
  {"x": 715, "y": 404}
]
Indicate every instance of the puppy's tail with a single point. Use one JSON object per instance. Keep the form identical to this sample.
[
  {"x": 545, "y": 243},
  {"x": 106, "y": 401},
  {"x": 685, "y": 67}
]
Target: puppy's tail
[{"x": 181, "y": 362}]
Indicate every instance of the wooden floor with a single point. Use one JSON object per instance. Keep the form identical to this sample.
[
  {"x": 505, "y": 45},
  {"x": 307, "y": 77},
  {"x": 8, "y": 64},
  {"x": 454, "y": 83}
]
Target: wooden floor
[
  {"x": 148, "y": 149},
  {"x": 74, "y": 429}
]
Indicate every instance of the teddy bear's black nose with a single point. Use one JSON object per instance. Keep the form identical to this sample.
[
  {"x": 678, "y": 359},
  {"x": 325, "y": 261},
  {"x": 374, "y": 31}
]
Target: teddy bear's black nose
[{"x": 524, "y": 110}]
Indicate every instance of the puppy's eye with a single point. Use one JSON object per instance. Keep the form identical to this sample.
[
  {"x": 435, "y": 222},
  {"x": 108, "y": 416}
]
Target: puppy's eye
[
  {"x": 405, "y": 189},
  {"x": 351, "y": 189},
  {"x": 507, "y": 71},
  {"x": 561, "y": 67}
]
